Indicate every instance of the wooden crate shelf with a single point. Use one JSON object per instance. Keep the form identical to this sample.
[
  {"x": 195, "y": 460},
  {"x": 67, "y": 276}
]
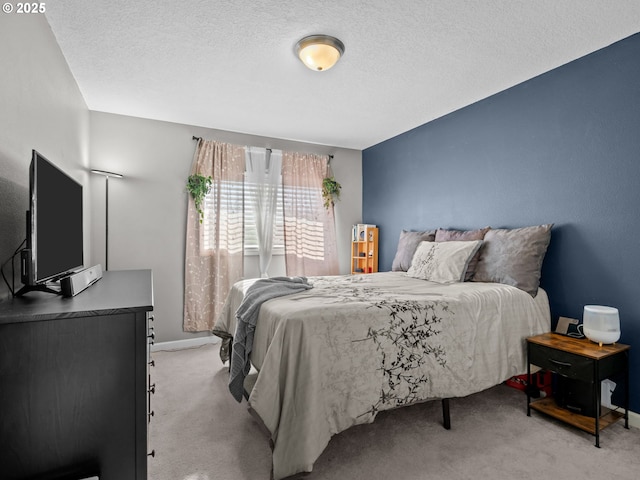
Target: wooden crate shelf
[{"x": 364, "y": 251}]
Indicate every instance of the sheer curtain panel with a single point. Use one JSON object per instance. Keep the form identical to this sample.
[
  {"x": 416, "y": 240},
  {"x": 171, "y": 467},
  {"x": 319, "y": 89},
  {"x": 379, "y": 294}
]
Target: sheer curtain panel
[
  {"x": 309, "y": 229},
  {"x": 214, "y": 258},
  {"x": 263, "y": 177}
]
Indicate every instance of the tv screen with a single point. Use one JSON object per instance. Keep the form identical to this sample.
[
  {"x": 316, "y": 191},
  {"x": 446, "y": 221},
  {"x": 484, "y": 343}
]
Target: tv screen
[{"x": 55, "y": 239}]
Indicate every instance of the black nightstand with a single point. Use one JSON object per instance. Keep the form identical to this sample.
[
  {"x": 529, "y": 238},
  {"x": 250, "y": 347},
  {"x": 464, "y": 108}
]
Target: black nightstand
[{"x": 584, "y": 361}]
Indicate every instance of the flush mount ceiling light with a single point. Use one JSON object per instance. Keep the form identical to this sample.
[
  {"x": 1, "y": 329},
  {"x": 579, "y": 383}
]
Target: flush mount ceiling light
[{"x": 319, "y": 52}]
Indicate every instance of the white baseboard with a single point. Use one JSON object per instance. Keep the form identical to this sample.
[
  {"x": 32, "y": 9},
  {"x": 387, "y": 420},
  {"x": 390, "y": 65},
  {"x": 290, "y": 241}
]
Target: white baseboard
[
  {"x": 186, "y": 343},
  {"x": 634, "y": 419}
]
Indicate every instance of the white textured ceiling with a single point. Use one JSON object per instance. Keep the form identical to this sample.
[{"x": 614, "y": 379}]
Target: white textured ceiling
[{"x": 230, "y": 65}]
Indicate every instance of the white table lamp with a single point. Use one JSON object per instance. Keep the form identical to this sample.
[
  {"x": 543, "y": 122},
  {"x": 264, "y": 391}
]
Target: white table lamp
[{"x": 601, "y": 324}]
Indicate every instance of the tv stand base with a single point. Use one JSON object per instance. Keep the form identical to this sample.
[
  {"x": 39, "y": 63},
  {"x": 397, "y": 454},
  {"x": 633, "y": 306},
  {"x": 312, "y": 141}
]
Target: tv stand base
[{"x": 36, "y": 288}]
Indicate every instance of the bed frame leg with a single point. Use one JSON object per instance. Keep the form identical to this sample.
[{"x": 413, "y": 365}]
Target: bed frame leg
[{"x": 446, "y": 418}]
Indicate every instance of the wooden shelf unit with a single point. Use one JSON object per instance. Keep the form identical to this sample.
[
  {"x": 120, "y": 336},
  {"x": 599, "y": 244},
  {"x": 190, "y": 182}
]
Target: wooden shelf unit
[{"x": 364, "y": 252}]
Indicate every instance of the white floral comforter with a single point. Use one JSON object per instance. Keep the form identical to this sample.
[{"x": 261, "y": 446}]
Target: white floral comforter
[{"x": 333, "y": 356}]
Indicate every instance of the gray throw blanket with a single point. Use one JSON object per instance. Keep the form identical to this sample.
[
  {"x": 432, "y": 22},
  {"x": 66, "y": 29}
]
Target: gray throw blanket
[{"x": 247, "y": 315}]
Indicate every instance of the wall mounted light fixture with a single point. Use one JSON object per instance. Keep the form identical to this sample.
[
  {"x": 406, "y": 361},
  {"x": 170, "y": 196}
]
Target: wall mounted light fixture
[{"x": 319, "y": 52}]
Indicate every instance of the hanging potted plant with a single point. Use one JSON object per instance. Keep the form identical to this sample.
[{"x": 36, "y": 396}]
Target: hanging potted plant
[
  {"x": 198, "y": 186},
  {"x": 330, "y": 191}
]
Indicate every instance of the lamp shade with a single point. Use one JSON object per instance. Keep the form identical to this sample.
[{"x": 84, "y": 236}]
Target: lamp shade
[
  {"x": 601, "y": 324},
  {"x": 106, "y": 174},
  {"x": 319, "y": 52}
]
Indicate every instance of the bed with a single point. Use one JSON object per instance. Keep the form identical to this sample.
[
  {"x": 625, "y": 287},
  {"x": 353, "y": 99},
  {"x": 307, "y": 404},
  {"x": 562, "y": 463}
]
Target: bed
[{"x": 334, "y": 356}]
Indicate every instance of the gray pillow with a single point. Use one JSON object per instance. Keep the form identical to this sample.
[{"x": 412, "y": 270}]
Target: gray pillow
[
  {"x": 407, "y": 245},
  {"x": 464, "y": 235},
  {"x": 514, "y": 256}
]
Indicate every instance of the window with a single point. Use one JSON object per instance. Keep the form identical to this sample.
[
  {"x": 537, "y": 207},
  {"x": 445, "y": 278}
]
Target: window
[
  {"x": 302, "y": 222},
  {"x": 250, "y": 232},
  {"x": 229, "y": 196},
  {"x": 235, "y": 198}
]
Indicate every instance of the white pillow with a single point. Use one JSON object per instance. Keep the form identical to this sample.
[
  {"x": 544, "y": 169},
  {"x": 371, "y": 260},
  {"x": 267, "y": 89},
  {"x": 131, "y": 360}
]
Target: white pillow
[{"x": 443, "y": 262}]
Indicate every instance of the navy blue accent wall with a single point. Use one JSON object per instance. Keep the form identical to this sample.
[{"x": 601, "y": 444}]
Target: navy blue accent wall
[{"x": 561, "y": 148}]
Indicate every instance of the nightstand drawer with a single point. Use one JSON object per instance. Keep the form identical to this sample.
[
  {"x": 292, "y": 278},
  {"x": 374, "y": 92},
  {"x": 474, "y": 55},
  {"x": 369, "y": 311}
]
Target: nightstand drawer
[{"x": 563, "y": 363}]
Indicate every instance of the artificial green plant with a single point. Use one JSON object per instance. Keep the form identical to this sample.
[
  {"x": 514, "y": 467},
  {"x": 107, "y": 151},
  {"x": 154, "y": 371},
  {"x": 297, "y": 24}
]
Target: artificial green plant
[
  {"x": 198, "y": 186},
  {"x": 330, "y": 191}
]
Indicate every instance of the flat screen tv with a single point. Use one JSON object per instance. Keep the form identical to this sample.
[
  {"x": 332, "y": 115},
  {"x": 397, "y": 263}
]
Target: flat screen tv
[{"x": 54, "y": 226}]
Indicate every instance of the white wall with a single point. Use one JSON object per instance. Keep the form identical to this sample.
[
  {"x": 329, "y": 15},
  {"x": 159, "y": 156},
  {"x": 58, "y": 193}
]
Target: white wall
[
  {"x": 41, "y": 108},
  {"x": 147, "y": 208}
]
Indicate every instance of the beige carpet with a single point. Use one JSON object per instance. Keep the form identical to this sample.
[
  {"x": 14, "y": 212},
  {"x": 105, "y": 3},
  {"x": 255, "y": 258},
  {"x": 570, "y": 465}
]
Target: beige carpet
[{"x": 200, "y": 433}]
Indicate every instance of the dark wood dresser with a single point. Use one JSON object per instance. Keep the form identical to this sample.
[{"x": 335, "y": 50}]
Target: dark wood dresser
[{"x": 73, "y": 381}]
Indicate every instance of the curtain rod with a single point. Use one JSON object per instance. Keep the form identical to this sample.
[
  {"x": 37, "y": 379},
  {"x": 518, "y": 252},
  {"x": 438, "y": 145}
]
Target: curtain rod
[{"x": 200, "y": 138}]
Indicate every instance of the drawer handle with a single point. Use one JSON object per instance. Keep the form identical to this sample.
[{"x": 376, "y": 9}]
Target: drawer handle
[
  {"x": 559, "y": 363},
  {"x": 152, "y": 389},
  {"x": 152, "y": 453}
]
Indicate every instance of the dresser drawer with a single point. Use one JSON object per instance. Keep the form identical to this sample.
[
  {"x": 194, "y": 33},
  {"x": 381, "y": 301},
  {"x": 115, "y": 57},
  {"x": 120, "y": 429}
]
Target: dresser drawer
[{"x": 563, "y": 363}]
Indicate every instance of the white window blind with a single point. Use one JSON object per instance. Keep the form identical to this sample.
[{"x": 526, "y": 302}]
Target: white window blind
[
  {"x": 239, "y": 220},
  {"x": 302, "y": 222},
  {"x": 234, "y": 199},
  {"x": 229, "y": 226}
]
